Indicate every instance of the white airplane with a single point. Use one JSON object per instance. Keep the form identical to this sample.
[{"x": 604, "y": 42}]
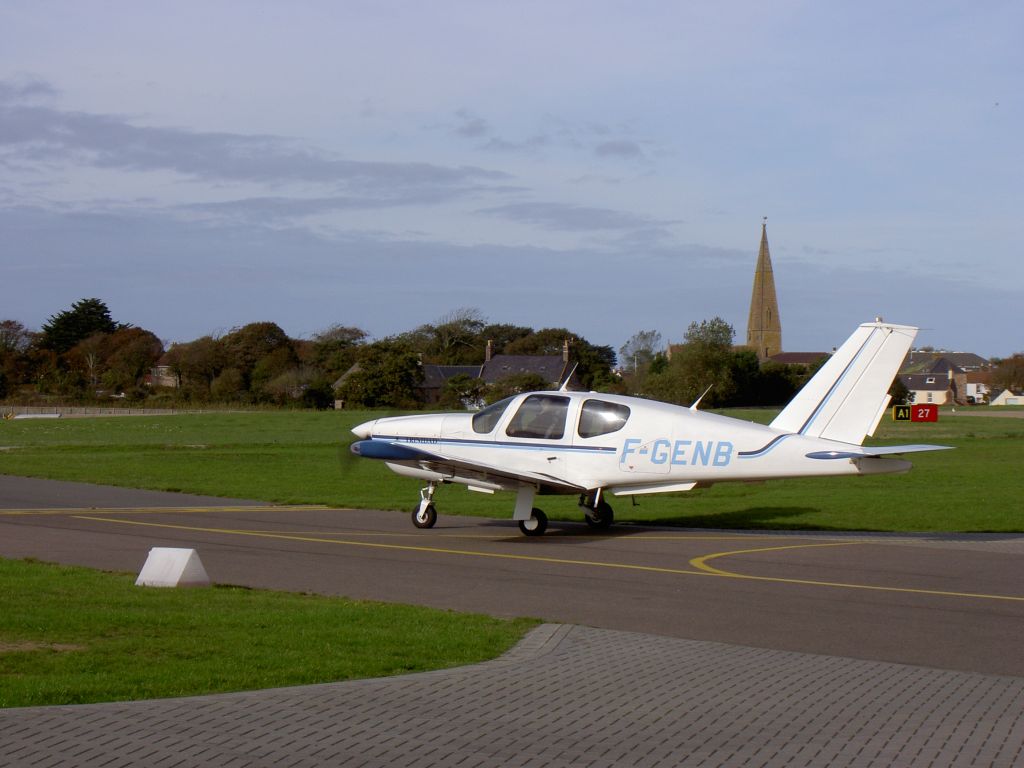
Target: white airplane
[{"x": 596, "y": 445}]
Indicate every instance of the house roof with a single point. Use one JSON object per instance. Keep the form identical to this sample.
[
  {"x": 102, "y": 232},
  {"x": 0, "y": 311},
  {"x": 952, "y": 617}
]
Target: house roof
[
  {"x": 551, "y": 367},
  {"x": 920, "y": 382},
  {"x": 437, "y": 375},
  {"x": 798, "y": 358},
  {"x": 917, "y": 360},
  {"x": 943, "y": 365}
]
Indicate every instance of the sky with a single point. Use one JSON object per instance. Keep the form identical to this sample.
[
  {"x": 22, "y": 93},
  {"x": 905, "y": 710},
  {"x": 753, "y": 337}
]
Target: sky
[{"x": 596, "y": 165}]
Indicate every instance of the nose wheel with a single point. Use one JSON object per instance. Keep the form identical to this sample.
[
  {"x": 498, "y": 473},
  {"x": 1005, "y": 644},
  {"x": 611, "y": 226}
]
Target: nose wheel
[{"x": 424, "y": 514}]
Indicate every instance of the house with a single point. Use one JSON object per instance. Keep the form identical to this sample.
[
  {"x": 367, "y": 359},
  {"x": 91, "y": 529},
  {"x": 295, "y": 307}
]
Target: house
[
  {"x": 1006, "y": 397},
  {"x": 978, "y": 386},
  {"x": 940, "y": 382},
  {"x": 919, "y": 359},
  {"x": 554, "y": 369},
  {"x": 807, "y": 359},
  {"x": 928, "y": 388},
  {"x": 162, "y": 374}
]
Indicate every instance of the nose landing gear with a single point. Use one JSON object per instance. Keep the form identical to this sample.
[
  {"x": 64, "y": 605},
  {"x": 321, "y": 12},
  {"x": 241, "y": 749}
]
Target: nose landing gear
[{"x": 424, "y": 514}]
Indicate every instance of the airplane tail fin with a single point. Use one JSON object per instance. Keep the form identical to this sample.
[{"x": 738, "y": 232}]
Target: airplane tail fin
[{"x": 845, "y": 399}]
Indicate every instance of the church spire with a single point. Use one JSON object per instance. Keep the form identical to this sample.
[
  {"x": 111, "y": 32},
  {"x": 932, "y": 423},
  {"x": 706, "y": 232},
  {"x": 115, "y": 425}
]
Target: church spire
[{"x": 764, "y": 327}]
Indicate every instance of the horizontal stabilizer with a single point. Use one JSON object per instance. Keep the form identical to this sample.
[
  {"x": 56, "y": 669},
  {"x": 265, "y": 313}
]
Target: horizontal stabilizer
[
  {"x": 844, "y": 400},
  {"x": 882, "y": 450}
]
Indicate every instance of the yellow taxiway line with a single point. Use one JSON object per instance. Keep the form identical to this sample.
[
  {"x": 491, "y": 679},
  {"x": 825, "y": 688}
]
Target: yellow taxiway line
[
  {"x": 699, "y": 564},
  {"x": 702, "y": 564}
]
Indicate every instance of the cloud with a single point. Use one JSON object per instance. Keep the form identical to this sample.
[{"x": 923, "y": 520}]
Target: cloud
[
  {"x": 471, "y": 126},
  {"x": 44, "y": 134},
  {"x": 619, "y": 148},
  {"x": 183, "y": 279},
  {"x": 274, "y": 209},
  {"x": 25, "y": 89},
  {"x": 568, "y": 217}
]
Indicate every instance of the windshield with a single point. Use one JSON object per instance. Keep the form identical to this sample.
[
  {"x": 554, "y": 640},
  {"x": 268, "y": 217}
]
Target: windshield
[
  {"x": 485, "y": 420},
  {"x": 540, "y": 416}
]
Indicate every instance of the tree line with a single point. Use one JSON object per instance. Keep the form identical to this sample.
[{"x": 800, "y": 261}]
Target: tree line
[{"x": 84, "y": 355}]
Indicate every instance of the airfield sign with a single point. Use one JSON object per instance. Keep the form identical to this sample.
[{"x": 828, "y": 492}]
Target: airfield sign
[{"x": 915, "y": 412}]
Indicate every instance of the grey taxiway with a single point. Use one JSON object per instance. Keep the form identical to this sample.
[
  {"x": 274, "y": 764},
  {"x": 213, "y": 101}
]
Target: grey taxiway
[{"x": 662, "y": 647}]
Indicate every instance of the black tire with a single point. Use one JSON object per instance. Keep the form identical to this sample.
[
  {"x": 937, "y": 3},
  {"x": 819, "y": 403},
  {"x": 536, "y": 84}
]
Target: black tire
[
  {"x": 426, "y": 518},
  {"x": 601, "y": 516},
  {"x": 536, "y": 525}
]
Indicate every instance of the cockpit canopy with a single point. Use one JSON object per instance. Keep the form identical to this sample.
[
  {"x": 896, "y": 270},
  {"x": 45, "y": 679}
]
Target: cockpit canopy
[{"x": 543, "y": 416}]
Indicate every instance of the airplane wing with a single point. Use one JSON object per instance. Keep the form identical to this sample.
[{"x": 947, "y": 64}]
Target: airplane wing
[{"x": 461, "y": 471}]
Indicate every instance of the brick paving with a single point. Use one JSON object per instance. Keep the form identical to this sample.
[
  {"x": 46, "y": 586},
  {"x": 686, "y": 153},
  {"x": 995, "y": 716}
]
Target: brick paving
[{"x": 565, "y": 696}]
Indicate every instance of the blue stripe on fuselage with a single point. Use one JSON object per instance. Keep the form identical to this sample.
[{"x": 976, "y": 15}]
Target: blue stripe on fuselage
[{"x": 426, "y": 442}]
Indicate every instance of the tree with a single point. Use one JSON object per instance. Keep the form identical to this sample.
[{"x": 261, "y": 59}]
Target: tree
[
  {"x": 15, "y": 359},
  {"x": 228, "y": 386},
  {"x": 502, "y": 334},
  {"x": 712, "y": 334},
  {"x": 85, "y": 318},
  {"x": 457, "y": 337},
  {"x": 637, "y": 353},
  {"x": 197, "y": 363},
  {"x": 705, "y": 360},
  {"x": 87, "y": 357},
  {"x": 129, "y": 354},
  {"x": 453, "y": 340},
  {"x": 461, "y": 390},
  {"x": 1009, "y": 374},
  {"x": 258, "y": 352},
  {"x": 594, "y": 363},
  {"x": 388, "y": 374},
  {"x": 15, "y": 338},
  {"x": 334, "y": 349},
  {"x": 899, "y": 392},
  {"x": 514, "y": 385}
]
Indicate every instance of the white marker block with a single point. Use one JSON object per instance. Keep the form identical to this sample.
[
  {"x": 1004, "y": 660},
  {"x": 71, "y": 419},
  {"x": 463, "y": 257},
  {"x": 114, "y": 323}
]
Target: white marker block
[{"x": 170, "y": 567}]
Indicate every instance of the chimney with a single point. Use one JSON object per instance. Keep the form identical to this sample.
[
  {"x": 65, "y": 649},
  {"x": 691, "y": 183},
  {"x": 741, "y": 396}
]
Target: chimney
[
  {"x": 490, "y": 351},
  {"x": 565, "y": 351}
]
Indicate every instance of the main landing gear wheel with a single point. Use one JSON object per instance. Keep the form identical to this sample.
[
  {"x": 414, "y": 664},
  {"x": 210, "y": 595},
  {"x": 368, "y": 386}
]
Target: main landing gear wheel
[
  {"x": 600, "y": 516},
  {"x": 424, "y": 517},
  {"x": 536, "y": 525}
]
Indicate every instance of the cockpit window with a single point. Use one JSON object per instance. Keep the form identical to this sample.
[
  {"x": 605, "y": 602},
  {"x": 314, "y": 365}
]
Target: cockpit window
[
  {"x": 600, "y": 418},
  {"x": 540, "y": 416},
  {"x": 487, "y": 419}
]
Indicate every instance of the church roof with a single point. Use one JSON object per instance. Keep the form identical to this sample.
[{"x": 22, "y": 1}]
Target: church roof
[{"x": 764, "y": 326}]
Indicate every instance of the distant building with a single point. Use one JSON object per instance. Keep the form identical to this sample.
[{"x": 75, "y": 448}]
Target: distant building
[
  {"x": 1006, "y": 397},
  {"x": 764, "y": 326},
  {"x": 928, "y": 388},
  {"x": 917, "y": 359},
  {"x": 964, "y": 376},
  {"x": 978, "y": 386},
  {"x": 554, "y": 369},
  {"x": 806, "y": 359},
  {"x": 162, "y": 374},
  {"x": 940, "y": 383}
]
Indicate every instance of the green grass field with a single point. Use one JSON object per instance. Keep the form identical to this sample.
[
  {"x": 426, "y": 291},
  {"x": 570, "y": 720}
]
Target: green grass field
[
  {"x": 299, "y": 457},
  {"x": 73, "y": 635}
]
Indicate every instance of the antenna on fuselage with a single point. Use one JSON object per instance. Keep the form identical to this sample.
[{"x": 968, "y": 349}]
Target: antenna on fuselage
[
  {"x": 697, "y": 401},
  {"x": 565, "y": 384}
]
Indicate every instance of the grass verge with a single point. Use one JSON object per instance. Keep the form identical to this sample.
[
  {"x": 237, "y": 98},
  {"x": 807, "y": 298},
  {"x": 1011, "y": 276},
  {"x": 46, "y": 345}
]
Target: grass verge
[
  {"x": 73, "y": 635},
  {"x": 300, "y": 457}
]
